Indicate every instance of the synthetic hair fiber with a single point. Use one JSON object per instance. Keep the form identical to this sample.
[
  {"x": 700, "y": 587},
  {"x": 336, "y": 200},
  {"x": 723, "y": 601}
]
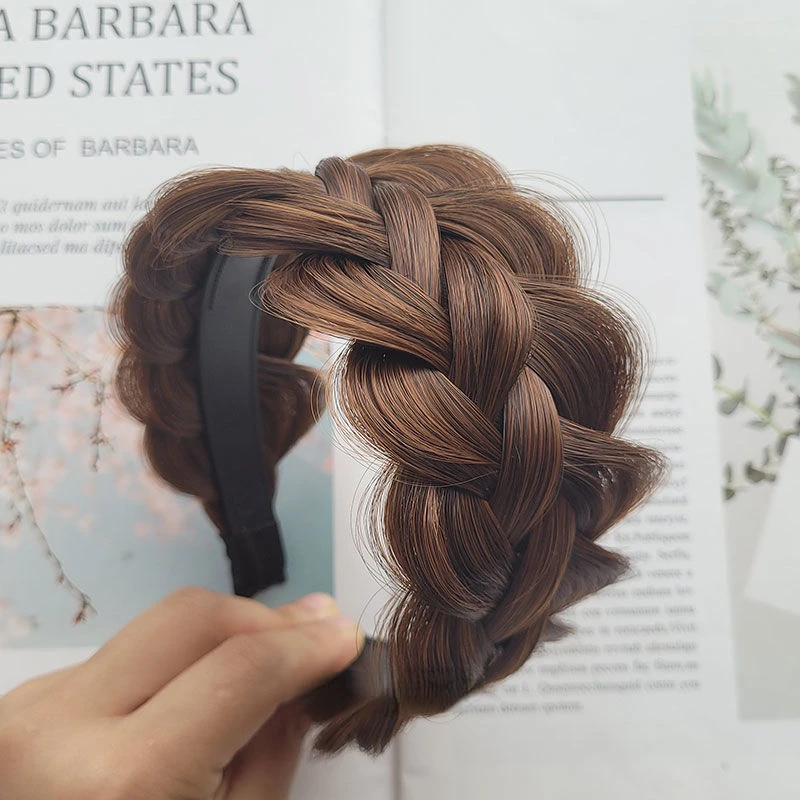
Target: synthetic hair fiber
[{"x": 482, "y": 370}]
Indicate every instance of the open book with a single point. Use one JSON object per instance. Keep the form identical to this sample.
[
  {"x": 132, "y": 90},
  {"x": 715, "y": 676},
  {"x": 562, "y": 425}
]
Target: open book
[{"x": 680, "y": 682}]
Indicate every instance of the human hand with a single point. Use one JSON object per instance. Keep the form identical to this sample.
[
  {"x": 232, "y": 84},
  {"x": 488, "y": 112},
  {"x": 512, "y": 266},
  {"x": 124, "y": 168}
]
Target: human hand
[{"x": 191, "y": 700}]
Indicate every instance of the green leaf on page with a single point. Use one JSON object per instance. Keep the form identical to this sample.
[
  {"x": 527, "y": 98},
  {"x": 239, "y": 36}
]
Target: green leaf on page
[
  {"x": 791, "y": 372},
  {"x": 729, "y": 175},
  {"x": 785, "y": 343},
  {"x": 729, "y": 404},
  {"x": 761, "y": 224},
  {"x": 764, "y": 196},
  {"x": 734, "y": 300},
  {"x": 753, "y": 474},
  {"x": 728, "y": 492},
  {"x": 794, "y": 94}
]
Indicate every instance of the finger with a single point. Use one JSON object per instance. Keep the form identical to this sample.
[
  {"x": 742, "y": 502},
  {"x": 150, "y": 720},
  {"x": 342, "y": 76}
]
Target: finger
[
  {"x": 213, "y": 709},
  {"x": 34, "y": 689},
  {"x": 265, "y": 768},
  {"x": 160, "y": 644}
]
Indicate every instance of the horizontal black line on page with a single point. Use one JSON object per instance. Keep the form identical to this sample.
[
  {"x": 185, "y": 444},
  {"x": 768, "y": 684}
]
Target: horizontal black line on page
[{"x": 615, "y": 198}]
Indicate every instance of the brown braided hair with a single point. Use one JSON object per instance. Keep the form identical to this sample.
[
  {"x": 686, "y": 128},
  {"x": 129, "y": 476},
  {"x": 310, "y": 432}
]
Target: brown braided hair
[{"x": 481, "y": 368}]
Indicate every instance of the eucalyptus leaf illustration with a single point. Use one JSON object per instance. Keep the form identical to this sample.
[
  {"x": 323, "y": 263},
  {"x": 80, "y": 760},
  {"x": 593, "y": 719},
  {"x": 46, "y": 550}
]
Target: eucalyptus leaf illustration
[
  {"x": 765, "y": 196},
  {"x": 787, "y": 239},
  {"x": 765, "y": 225},
  {"x": 753, "y": 200},
  {"x": 730, "y": 139},
  {"x": 785, "y": 343},
  {"x": 753, "y": 474},
  {"x": 791, "y": 372},
  {"x": 794, "y": 95},
  {"x": 723, "y": 132},
  {"x": 729, "y": 175},
  {"x": 704, "y": 94},
  {"x": 734, "y": 299},
  {"x": 729, "y": 404}
]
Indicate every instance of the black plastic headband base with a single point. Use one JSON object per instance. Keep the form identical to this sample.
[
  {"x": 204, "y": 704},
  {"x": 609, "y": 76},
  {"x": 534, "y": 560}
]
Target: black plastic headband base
[
  {"x": 228, "y": 338},
  {"x": 257, "y": 560}
]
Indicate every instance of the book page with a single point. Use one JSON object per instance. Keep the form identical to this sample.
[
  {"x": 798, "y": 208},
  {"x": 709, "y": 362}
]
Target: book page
[
  {"x": 644, "y": 700},
  {"x": 98, "y": 106}
]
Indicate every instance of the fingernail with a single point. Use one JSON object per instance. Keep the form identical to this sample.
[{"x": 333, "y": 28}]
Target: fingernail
[{"x": 319, "y": 604}]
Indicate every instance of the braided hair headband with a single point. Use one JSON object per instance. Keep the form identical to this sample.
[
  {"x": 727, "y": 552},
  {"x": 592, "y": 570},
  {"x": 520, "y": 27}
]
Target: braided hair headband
[{"x": 481, "y": 368}]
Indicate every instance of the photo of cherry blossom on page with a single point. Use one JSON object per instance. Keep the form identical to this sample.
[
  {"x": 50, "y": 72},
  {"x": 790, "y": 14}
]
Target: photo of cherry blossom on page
[{"x": 89, "y": 536}]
